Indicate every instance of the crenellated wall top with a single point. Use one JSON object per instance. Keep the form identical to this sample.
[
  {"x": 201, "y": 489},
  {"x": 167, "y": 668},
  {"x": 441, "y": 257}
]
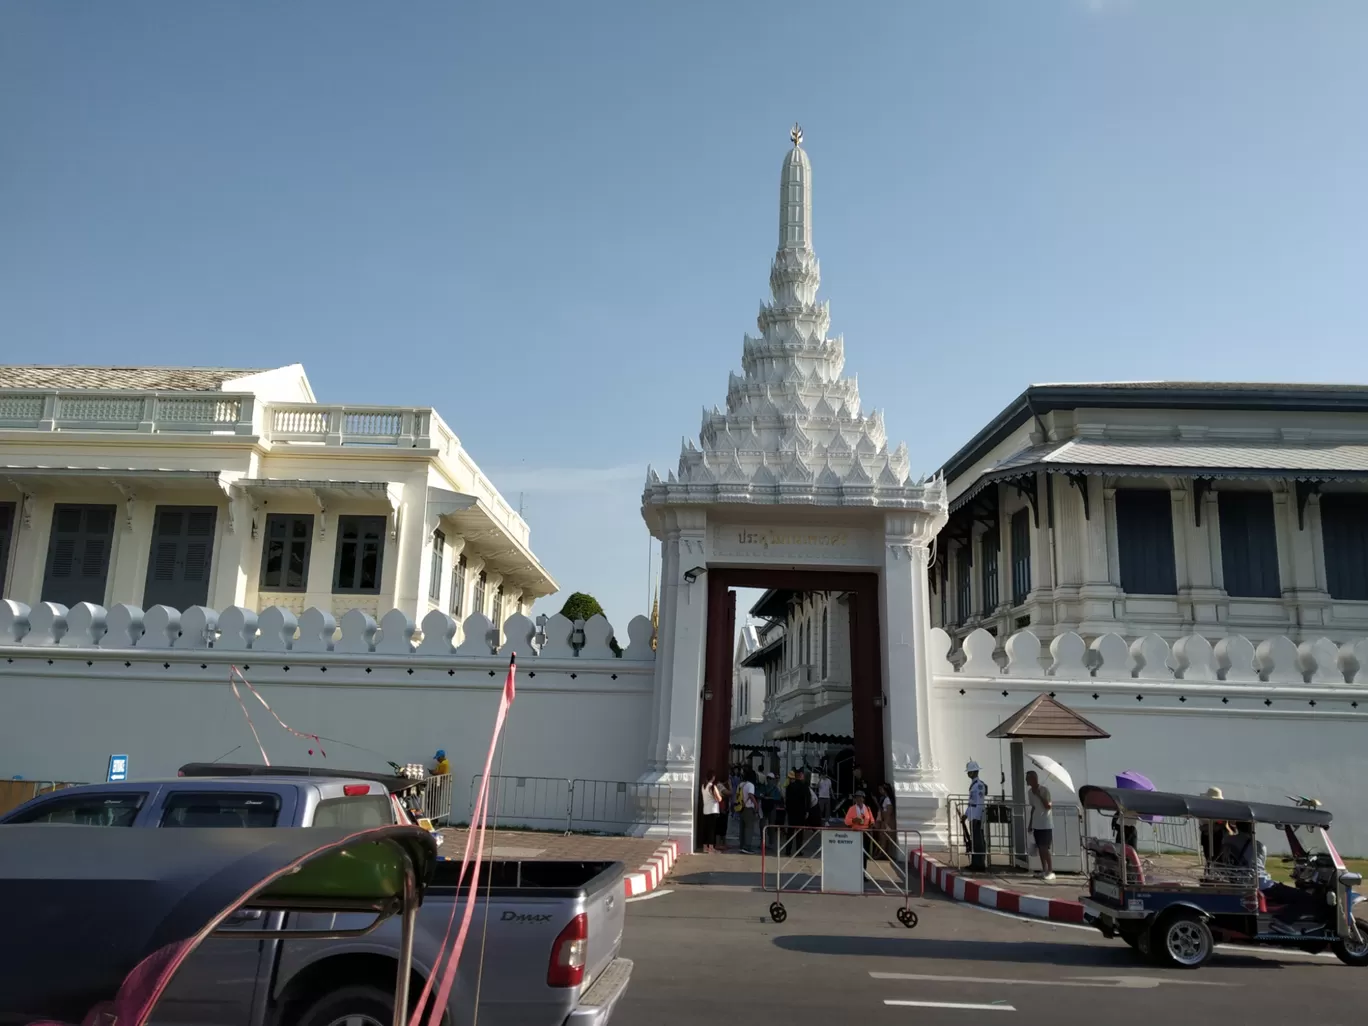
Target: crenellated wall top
[
  {"x": 237, "y": 629},
  {"x": 1232, "y": 659}
]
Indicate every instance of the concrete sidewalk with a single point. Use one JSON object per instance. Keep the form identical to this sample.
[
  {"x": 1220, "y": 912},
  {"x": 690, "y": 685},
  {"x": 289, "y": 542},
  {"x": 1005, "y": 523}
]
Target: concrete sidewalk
[{"x": 1008, "y": 891}]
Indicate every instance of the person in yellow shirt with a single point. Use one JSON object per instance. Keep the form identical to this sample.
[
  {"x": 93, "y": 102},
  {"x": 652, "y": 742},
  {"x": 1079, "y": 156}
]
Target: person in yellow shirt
[{"x": 442, "y": 766}]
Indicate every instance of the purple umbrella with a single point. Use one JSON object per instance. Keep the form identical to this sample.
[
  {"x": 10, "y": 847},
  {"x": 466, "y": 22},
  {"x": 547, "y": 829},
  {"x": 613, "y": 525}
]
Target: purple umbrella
[{"x": 1130, "y": 780}]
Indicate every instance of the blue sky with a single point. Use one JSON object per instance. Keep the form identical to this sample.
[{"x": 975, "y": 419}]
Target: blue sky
[{"x": 553, "y": 221}]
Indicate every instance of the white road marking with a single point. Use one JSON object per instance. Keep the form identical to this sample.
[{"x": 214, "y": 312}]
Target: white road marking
[
  {"x": 1033, "y": 920},
  {"x": 1105, "y": 982},
  {"x": 652, "y": 894},
  {"x": 950, "y": 1004},
  {"x": 1246, "y": 949}
]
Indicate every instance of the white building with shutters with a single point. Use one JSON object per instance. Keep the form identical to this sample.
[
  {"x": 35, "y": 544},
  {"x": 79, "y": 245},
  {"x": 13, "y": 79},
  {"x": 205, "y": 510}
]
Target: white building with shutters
[
  {"x": 1161, "y": 507},
  {"x": 219, "y": 487}
]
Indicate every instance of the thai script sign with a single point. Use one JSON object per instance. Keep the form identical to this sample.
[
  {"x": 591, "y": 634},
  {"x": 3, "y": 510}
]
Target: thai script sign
[{"x": 793, "y": 543}]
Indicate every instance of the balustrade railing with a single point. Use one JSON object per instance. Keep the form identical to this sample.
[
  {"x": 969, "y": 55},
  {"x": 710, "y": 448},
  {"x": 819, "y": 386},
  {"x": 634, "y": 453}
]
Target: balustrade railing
[
  {"x": 100, "y": 410},
  {"x": 406, "y": 427}
]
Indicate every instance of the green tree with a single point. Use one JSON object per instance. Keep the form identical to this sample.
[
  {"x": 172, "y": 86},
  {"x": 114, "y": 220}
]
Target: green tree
[{"x": 581, "y": 606}]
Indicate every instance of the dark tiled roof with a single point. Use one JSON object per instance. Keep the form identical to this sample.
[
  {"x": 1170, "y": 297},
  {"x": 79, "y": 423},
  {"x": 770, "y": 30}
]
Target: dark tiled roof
[
  {"x": 1168, "y": 395},
  {"x": 169, "y": 379},
  {"x": 1205, "y": 386},
  {"x": 1043, "y": 717}
]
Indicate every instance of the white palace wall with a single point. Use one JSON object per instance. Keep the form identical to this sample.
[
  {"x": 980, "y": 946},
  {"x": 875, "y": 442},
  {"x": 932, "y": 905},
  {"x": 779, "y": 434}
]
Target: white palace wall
[
  {"x": 1261, "y": 723},
  {"x": 82, "y": 684}
]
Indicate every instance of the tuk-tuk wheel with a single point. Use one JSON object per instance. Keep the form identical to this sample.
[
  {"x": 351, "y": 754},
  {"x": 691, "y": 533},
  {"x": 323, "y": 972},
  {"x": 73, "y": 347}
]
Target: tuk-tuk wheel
[
  {"x": 1353, "y": 954},
  {"x": 777, "y": 912},
  {"x": 907, "y": 917},
  {"x": 1183, "y": 940}
]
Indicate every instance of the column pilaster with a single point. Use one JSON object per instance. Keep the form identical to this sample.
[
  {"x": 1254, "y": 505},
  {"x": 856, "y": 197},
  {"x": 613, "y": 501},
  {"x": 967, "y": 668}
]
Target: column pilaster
[{"x": 909, "y": 711}]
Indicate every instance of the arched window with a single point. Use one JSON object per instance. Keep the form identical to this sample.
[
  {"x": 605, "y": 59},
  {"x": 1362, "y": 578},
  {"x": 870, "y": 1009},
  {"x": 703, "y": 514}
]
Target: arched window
[{"x": 824, "y": 644}]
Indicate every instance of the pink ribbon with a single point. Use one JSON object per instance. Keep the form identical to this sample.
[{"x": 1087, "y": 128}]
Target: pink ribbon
[
  {"x": 234, "y": 671},
  {"x": 448, "y": 962}
]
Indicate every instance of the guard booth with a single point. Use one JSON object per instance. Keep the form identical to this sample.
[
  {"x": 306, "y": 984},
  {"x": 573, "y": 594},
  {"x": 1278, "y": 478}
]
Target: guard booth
[{"x": 1047, "y": 733}]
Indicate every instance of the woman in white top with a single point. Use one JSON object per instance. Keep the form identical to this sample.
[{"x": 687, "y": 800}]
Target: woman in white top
[{"x": 712, "y": 813}]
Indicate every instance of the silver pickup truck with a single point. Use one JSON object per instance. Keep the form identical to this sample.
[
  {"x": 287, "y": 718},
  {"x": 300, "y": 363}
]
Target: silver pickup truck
[{"x": 542, "y": 950}]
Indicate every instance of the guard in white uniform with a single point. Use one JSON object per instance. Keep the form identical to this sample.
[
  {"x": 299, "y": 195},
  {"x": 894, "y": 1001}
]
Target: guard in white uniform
[{"x": 974, "y": 815}]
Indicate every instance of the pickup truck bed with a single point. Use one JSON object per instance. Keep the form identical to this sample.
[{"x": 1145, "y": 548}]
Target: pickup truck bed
[
  {"x": 520, "y": 924},
  {"x": 529, "y": 906}
]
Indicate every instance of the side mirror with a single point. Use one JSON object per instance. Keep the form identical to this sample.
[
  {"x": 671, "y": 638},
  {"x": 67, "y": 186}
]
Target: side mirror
[{"x": 1350, "y": 879}]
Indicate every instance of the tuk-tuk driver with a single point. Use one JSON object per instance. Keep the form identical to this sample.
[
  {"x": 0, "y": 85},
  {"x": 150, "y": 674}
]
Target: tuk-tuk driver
[{"x": 1241, "y": 848}]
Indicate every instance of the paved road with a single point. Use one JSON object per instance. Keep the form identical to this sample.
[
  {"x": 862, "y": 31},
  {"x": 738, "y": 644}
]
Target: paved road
[{"x": 711, "y": 955}]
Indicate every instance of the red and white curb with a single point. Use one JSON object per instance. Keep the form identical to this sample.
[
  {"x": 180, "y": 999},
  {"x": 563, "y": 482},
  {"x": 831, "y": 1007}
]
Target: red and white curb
[
  {"x": 961, "y": 888},
  {"x": 650, "y": 875}
]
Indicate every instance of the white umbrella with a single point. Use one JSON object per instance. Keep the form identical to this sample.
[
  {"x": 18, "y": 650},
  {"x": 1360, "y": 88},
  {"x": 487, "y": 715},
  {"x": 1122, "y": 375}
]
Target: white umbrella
[{"x": 1047, "y": 765}]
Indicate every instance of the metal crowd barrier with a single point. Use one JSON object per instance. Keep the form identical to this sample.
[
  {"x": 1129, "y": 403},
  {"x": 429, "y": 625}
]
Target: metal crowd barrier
[
  {"x": 601, "y": 805},
  {"x": 793, "y": 861},
  {"x": 542, "y": 803},
  {"x": 559, "y": 803},
  {"x": 435, "y": 798},
  {"x": 1008, "y": 842}
]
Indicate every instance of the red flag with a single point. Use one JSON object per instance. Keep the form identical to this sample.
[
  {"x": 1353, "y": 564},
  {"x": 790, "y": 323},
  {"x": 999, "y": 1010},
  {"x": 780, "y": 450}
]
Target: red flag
[{"x": 509, "y": 689}]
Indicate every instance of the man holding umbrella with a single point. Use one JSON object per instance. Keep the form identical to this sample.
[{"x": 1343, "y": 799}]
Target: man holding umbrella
[{"x": 1042, "y": 831}]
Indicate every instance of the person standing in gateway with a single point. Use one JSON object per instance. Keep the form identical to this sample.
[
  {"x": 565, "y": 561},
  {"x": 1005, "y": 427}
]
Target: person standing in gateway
[{"x": 1042, "y": 830}]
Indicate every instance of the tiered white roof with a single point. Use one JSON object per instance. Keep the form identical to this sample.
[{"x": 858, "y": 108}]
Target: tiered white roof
[{"x": 792, "y": 432}]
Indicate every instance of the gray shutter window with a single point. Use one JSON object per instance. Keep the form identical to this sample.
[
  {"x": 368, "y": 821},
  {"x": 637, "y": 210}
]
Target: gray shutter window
[
  {"x": 6, "y": 532},
  {"x": 181, "y": 556},
  {"x": 78, "y": 554},
  {"x": 285, "y": 552},
  {"x": 1144, "y": 532},
  {"x": 962, "y": 572},
  {"x": 988, "y": 569},
  {"x": 1021, "y": 556},
  {"x": 1344, "y": 535},
  {"x": 360, "y": 555},
  {"x": 1249, "y": 545}
]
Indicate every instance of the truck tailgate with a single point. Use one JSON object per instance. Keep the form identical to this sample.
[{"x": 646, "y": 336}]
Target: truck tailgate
[{"x": 509, "y": 948}]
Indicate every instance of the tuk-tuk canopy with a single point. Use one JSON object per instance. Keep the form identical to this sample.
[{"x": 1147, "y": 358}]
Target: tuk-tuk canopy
[
  {"x": 1166, "y": 803},
  {"x": 84, "y": 905}
]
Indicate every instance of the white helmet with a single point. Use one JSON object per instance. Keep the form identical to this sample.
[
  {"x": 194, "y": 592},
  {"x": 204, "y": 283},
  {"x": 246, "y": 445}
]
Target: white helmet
[{"x": 972, "y": 767}]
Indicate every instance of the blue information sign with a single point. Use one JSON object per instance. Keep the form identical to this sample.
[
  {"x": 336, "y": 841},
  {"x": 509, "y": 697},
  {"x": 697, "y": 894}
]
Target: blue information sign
[{"x": 118, "y": 768}]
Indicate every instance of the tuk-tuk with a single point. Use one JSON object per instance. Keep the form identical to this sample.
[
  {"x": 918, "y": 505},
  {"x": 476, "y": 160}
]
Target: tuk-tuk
[
  {"x": 1206, "y": 882},
  {"x": 101, "y": 920}
]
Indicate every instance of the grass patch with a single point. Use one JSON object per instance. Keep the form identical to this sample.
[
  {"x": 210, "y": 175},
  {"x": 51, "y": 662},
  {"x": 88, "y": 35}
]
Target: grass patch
[{"x": 1282, "y": 871}]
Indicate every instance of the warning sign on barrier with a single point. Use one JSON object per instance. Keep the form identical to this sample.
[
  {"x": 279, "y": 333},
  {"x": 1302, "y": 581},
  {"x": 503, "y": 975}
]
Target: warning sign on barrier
[{"x": 842, "y": 862}]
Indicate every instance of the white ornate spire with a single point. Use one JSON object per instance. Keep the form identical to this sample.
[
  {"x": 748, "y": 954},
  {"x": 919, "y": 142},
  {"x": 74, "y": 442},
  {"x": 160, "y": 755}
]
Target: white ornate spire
[{"x": 792, "y": 431}]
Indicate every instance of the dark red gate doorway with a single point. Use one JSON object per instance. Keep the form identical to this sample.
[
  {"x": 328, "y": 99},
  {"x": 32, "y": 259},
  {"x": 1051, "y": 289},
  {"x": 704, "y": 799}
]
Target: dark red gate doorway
[{"x": 866, "y": 672}]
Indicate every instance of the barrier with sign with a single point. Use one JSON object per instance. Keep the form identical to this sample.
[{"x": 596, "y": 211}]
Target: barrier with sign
[{"x": 838, "y": 860}]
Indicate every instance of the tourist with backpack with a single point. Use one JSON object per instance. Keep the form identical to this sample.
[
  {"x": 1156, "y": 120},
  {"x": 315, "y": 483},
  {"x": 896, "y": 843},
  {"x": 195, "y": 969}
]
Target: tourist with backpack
[{"x": 748, "y": 804}]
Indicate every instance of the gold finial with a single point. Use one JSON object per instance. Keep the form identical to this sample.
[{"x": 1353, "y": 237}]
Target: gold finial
[
  {"x": 796, "y": 134},
  {"x": 655, "y": 616}
]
